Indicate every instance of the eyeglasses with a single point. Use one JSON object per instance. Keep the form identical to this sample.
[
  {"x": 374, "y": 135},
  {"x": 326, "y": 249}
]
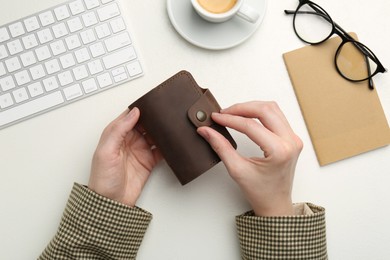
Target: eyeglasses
[{"x": 353, "y": 60}]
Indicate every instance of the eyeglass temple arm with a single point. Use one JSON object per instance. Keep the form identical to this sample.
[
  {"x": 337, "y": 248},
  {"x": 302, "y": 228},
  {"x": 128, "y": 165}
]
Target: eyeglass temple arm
[
  {"x": 319, "y": 13},
  {"x": 307, "y": 12},
  {"x": 370, "y": 81}
]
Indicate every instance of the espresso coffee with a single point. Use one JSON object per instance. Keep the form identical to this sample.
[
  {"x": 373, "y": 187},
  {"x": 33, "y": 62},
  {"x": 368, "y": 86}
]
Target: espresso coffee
[{"x": 217, "y": 6}]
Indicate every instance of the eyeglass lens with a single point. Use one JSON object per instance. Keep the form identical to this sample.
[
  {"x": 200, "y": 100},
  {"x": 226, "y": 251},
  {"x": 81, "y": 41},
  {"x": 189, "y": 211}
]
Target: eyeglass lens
[
  {"x": 311, "y": 26},
  {"x": 352, "y": 63}
]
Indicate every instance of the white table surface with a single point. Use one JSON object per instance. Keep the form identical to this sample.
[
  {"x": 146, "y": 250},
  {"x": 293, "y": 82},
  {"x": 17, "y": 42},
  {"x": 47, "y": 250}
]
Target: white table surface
[{"x": 41, "y": 158}]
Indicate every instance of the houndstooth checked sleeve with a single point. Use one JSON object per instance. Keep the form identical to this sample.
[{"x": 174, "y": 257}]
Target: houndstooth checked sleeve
[
  {"x": 94, "y": 227},
  {"x": 287, "y": 237}
]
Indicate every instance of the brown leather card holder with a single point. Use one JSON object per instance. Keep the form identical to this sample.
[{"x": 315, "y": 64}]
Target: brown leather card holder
[{"x": 170, "y": 115}]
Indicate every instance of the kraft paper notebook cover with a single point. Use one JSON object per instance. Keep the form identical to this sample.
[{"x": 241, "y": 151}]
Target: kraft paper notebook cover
[{"x": 343, "y": 118}]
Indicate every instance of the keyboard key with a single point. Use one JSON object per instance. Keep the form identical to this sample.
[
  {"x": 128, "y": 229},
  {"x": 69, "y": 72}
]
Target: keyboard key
[
  {"x": 52, "y": 66},
  {"x": 80, "y": 72},
  {"x": 43, "y": 53},
  {"x": 7, "y": 83},
  {"x": 50, "y": 84},
  {"x": 6, "y": 100},
  {"x": 108, "y": 12},
  {"x": 30, "y": 41},
  {"x": 73, "y": 92},
  {"x": 89, "y": 19},
  {"x": 82, "y": 55},
  {"x": 102, "y": 31},
  {"x": 2, "y": 69},
  {"x": 67, "y": 61},
  {"x": 119, "y": 57},
  {"x": 120, "y": 77},
  {"x": 37, "y": 72},
  {"x": 45, "y": 36},
  {"x": 13, "y": 64},
  {"x": 95, "y": 67},
  {"x": 35, "y": 89},
  {"x": 91, "y": 4},
  {"x": 118, "y": 71},
  {"x": 97, "y": 49},
  {"x": 65, "y": 78},
  {"x": 3, "y": 52},
  {"x": 4, "y": 36},
  {"x": 46, "y": 18},
  {"x": 73, "y": 42},
  {"x": 30, "y": 108},
  {"x": 117, "y": 25},
  {"x": 16, "y": 29},
  {"x": 61, "y": 13},
  {"x": 134, "y": 68},
  {"x": 22, "y": 77},
  {"x": 89, "y": 85},
  {"x": 28, "y": 59},
  {"x": 57, "y": 47},
  {"x": 104, "y": 80},
  {"x": 119, "y": 74},
  {"x": 60, "y": 30},
  {"x": 75, "y": 25},
  {"x": 20, "y": 95},
  {"x": 76, "y": 7},
  {"x": 15, "y": 47},
  {"x": 118, "y": 41},
  {"x": 87, "y": 36},
  {"x": 31, "y": 24}
]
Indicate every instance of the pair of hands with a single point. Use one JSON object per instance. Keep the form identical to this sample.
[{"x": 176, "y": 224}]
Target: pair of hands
[{"x": 125, "y": 157}]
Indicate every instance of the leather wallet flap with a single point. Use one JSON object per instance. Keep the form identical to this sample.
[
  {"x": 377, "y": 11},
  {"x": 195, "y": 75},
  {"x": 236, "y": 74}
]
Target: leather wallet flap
[{"x": 200, "y": 112}]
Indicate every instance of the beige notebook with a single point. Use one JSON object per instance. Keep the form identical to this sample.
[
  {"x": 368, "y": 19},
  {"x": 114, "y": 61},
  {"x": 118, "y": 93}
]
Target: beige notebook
[{"x": 343, "y": 118}]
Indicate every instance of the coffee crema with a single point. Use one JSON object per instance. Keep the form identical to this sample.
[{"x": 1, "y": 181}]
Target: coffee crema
[{"x": 217, "y": 6}]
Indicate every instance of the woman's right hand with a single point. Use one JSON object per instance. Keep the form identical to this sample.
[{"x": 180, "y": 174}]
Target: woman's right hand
[{"x": 266, "y": 181}]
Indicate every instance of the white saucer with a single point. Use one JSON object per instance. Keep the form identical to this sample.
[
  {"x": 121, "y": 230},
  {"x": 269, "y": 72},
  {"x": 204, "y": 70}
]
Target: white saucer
[{"x": 208, "y": 35}]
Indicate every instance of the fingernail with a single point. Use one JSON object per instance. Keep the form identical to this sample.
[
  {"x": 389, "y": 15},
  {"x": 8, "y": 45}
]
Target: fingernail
[
  {"x": 215, "y": 114},
  {"x": 203, "y": 133},
  {"x": 132, "y": 112}
]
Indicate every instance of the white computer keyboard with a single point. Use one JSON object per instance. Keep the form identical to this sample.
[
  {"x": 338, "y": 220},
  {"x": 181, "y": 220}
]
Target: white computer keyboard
[{"x": 63, "y": 54}]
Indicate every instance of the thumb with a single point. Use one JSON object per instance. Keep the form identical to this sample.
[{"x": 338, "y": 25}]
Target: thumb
[{"x": 117, "y": 131}]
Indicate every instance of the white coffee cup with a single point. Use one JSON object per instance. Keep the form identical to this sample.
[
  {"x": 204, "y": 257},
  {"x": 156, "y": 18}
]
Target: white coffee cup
[{"x": 240, "y": 9}]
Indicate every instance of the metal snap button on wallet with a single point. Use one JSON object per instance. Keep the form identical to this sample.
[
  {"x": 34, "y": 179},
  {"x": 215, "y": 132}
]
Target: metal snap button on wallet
[{"x": 170, "y": 115}]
